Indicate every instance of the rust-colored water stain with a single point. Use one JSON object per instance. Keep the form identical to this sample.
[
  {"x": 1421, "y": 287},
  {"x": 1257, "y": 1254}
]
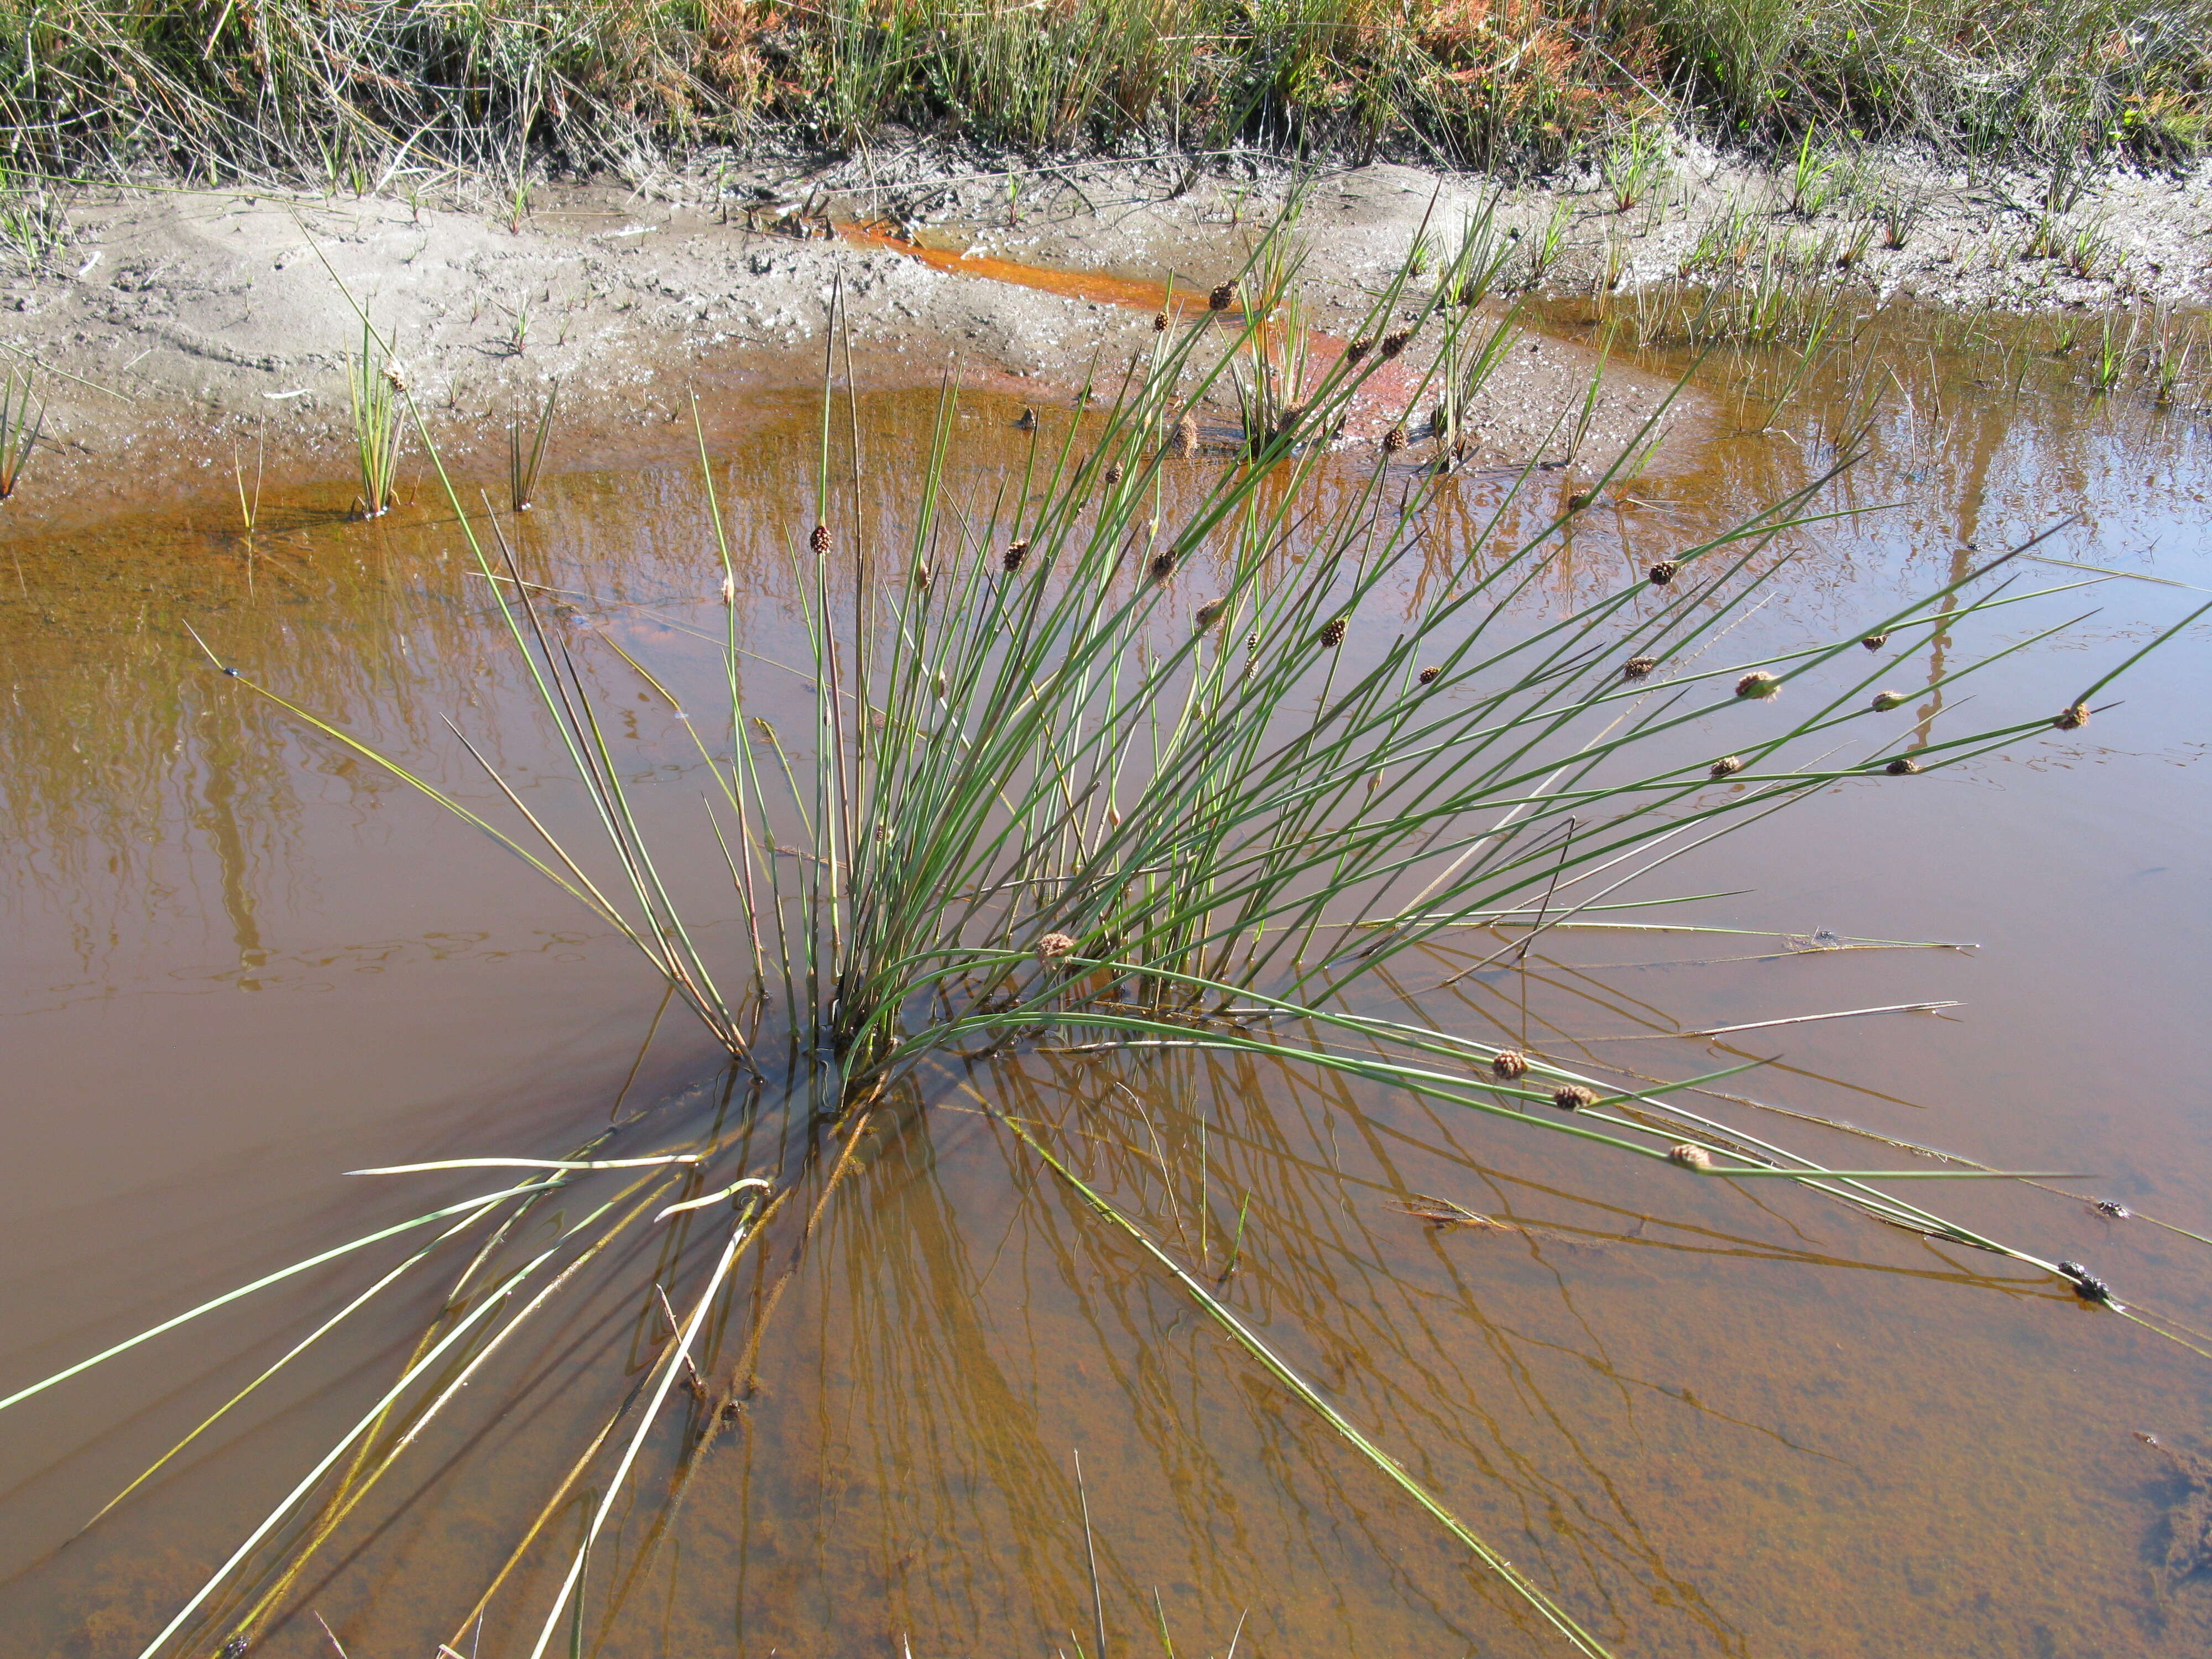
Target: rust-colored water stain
[{"x": 1096, "y": 287}]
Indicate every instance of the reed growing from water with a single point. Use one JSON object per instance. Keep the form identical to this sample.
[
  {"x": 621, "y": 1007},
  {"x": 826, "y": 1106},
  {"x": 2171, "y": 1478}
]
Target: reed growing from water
[
  {"x": 19, "y": 430},
  {"x": 1130, "y": 768},
  {"x": 375, "y": 385}
]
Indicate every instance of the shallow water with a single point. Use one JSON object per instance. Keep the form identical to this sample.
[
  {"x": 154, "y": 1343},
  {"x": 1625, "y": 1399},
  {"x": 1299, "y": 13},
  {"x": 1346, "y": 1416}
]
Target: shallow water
[{"x": 1710, "y": 1420}]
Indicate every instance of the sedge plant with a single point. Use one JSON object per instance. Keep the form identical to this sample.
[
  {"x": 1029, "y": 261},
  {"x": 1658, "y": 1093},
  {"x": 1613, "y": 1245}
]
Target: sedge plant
[{"x": 1095, "y": 763}]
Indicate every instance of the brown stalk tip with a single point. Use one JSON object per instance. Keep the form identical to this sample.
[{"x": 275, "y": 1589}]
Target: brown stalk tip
[
  {"x": 1874, "y": 641},
  {"x": 1509, "y": 1064},
  {"x": 1356, "y": 351},
  {"x": 1222, "y": 297},
  {"x": 1580, "y": 500},
  {"x": 2073, "y": 719},
  {"x": 1886, "y": 700},
  {"x": 1395, "y": 439},
  {"x": 1758, "y": 684},
  {"x": 1726, "y": 766},
  {"x": 1027, "y": 421},
  {"x": 1903, "y": 766},
  {"x": 1572, "y": 1097},
  {"x": 1206, "y": 615},
  {"x": 1113, "y": 474},
  {"x": 1689, "y": 1156},
  {"x": 1395, "y": 344},
  {"x": 1052, "y": 946},
  {"x": 1159, "y": 322},
  {"x": 819, "y": 540},
  {"x": 1162, "y": 567},
  {"x": 1664, "y": 572},
  {"x": 1185, "y": 444},
  {"x": 1012, "y": 557},
  {"x": 1428, "y": 674},
  {"x": 1637, "y": 667},
  {"x": 1332, "y": 635}
]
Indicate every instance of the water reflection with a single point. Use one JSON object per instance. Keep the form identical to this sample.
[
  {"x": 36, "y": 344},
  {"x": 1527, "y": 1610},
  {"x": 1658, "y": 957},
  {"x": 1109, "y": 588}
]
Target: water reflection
[{"x": 1710, "y": 1420}]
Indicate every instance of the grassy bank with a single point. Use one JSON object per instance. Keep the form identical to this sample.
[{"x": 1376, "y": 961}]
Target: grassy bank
[{"x": 355, "y": 92}]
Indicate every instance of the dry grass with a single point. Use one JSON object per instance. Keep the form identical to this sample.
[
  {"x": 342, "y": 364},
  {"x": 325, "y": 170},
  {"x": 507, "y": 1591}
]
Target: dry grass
[{"x": 365, "y": 96}]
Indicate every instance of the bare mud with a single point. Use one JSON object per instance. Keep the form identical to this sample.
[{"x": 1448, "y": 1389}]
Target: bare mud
[{"x": 176, "y": 330}]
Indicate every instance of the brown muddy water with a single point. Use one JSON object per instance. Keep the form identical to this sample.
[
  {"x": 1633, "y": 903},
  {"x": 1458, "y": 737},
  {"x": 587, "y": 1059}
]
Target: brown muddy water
[{"x": 1710, "y": 1419}]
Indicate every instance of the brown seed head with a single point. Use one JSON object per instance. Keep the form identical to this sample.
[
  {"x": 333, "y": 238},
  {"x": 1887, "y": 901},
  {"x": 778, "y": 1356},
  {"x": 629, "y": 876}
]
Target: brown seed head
[
  {"x": 1664, "y": 572},
  {"x": 1332, "y": 635},
  {"x": 1163, "y": 566},
  {"x": 2073, "y": 719},
  {"x": 1052, "y": 946},
  {"x": 1395, "y": 439},
  {"x": 1113, "y": 474},
  {"x": 1159, "y": 322},
  {"x": 1427, "y": 675},
  {"x": 1357, "y": 350},
  {"x": 819, "y": 539},
  {"x": 1185, "y": 443},
  {"x": 1691, "y": 1157},
  {"x": 1206, "y": 614},
  {"x": 1758, "y": 684},
  {"x": 1396, "y": 342},
  {"x": 1726, "y": 766},
  {"x": 1903, "y": 766},
  {"x": 1222, "y": 297},
  {"x": 1012, "y": 557},
  {"x": 1509, "y": 1064},
  {"x": 1572, "y": 1097},
  {"x": 1874, "y": 641},
  {"x": 1637, "y": 667},
  {"x": 395, "y": 375},
  {"x": 1886, "y": 700},
  {"x": 1581, "y": 499}
]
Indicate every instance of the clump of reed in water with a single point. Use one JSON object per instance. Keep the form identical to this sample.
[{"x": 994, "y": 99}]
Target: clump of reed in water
[
  {"x": 376, "y": 381},
  {"x": 1064, "y": 806}
]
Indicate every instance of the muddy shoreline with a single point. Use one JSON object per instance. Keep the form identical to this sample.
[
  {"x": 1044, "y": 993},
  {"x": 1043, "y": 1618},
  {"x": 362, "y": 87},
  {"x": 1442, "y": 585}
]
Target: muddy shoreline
[{"x": 176, "y": 331}]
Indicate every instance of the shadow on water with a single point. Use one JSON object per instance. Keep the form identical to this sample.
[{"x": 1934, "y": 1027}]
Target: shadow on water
[{"x": 1710, "y": 1419}]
